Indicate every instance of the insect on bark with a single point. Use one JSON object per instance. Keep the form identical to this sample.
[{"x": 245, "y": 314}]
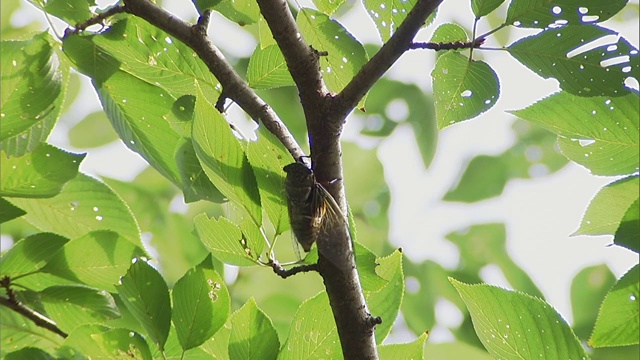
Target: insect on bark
[{"x": 312, "y": 210}]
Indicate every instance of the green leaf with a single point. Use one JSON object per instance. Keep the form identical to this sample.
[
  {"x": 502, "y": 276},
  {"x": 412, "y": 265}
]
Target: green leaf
[
  {"x": 312, "y": 331},
  {"x": 84, "y": 204},
  {"x": 201, "y": 305},
  {"x": 17, "y": 332},
  {"x": 345, "y": 54},
  {"x": 93, "y": 131},
  {"x": 328, "y": 6},
  {"x": 8, "y": 211},
  {"x": 252, "y": 334},
  {"x": 98, "y": 342},
  {"x": 30, "y": 254},
  {"x": 600, "y": 133},
  {"x": 30, "y": 353},
  {"x": 264, "y": 34},
  {"x": 33, "y": 84},
  {"x": 243, "y": 12},
  {"x": 223, "y": 158},
  {"x": 41, "y": 173},
  {"x": 463, "y": 89},
  {"x": 571, "y": 55},
  {"x": 217, "y": 347},
  {"x": 484, "y": 177},
  {"x": 456, "y": 350},
  {"x": 367, "y": 264},
  {"x": 267, "y": 157},
  {"x": 513, "y": 325},
  {"x": 541, "y": 13},
  {"x": 412, "y": 350},
  {"x": 388, "y": 15},
  {"x": 606, "y": 210},
  {"x": 484, "y": 7},
  {"x": 588, "y": 289},
  {"x": 146, "y": 82},
  {"x": 386, "y": 301},
  {"x": 449, "y": 32},
  {"x": 145, "y": 293},
  {"x": 268, "y": 69},
  {"x": 225, "y": 241},
  {"x": 73, "y": 305},
  {"x": 110, "y": 257},
  {"x": 619, "y": 319},
  {"x": 628, "y": 233},
  {"x": 71, "y": 11}
]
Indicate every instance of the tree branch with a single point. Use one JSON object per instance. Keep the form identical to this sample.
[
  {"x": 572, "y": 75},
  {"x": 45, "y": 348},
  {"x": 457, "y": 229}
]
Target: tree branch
[
  {"x": 14, "y": 304},
  {"x": 399, "y": 42},
  {"x": 234, "y": 87},
  {"x": 302, "y": 60}
]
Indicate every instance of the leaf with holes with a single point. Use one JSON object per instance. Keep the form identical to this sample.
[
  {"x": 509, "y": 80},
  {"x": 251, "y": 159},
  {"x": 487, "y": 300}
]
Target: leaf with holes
[
  {"x": 388, "y": 15},
  {"x": 619, "y": 317},
  {"x": 514, "y": 325},
  {"x": 146, "y": 295},
  {"x": 600, "y": 132},
  {"x": 463, "y": 89},
  {"x": 572, "y": 55},
  {"x": 345, "y": 55},
  {"x": 223, "y": 159},
  {"x": 225, "y": 240},
  {"x": 84, "y": 204},
  {"x": 328, "y": 6},
  {"x": 41, "y": 173},
  {"x": 98, "y": 342},
  {"x": 201, "y": 305},
  {"x": 267, "y": 68},
  {"x": 542, "y": 13}
]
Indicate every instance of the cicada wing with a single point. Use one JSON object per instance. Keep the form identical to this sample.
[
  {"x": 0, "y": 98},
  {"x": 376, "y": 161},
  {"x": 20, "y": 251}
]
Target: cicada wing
[{"x": 333, "y": 226}]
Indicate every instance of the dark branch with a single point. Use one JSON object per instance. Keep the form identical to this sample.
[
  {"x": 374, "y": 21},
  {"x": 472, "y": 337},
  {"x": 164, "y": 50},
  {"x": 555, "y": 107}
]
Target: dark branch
[
  {"x": 457, "y": 45},
  {"x": 234, "y": 86},
  {"x": 98, "y": 19},
  {"x": 399, "y": 42},
  {"x": 302, "y": 60},
  {"x": 14, "y": 304},
  {"x": 285, "y": 273}
]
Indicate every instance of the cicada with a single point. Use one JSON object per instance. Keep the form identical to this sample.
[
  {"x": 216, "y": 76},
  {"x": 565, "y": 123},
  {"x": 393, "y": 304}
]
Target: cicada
[{"x": 312, "y": 210}]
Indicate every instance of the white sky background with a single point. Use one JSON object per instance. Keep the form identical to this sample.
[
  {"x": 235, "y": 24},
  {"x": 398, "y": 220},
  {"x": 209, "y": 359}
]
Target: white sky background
[{"x": 540, "y": 214}]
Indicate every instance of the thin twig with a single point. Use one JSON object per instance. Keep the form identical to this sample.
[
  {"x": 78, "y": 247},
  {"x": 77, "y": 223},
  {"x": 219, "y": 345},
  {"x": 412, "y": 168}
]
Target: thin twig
[
  {"x": 12, "y": 302},
  {"x": 98, "y": 19},
  {"x": 457, "y": 45},
  {"x": 285, "y": 273}
]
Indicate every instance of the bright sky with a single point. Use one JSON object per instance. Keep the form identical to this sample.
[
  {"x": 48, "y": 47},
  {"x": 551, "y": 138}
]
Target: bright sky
[{"x": 540, "y": 214}]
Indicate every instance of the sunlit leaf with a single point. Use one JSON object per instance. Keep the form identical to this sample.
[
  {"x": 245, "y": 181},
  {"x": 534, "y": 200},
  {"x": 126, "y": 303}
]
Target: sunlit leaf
[
  {"x": 448, "y": 33},
  {"x": 84, "y": 204},
  {"x": 618, "y": 321},
  {"x": 71, "y": 11},
  {"x": 100, "y": 342},
  {"x": 542, "y": 13},
  {"x": 32, "y": 91},
  {"x": 223, "y": 159},
  {"x": 93, "y": 131},
  {"x": 412, "y": 350},
  {"x": 513, "y": 325},
  {"x": 144, "y": 292},
  {"x": 30, "y": 254},
  {"x": 388, "y": 15},
  {"x": 328, "y": 6},
  {"x": 463, "y": 89},
  {"x": 201, "y": 305},
  {"x": 386, "y": 301},
  {"x": 312, "y": 331},
  {"x": 600, "y": 133},
  {"x": 110, "y": 257},
  {"x": 345, "y": 55},
  {"x": 455, "y": 350},
  {"x": 243, "y": 12},
  {"x": 607, "y": 208},
  {"x": 41, "y": 173},
  {"x": 268, "y": 69},
  {"x": 17, "y": 332},
  {"x": 31, "y": 353},
  {"x": 252, "y": 334},
  {"x": 573, "y": 56},
  {"x": 225, "y": 240}
]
